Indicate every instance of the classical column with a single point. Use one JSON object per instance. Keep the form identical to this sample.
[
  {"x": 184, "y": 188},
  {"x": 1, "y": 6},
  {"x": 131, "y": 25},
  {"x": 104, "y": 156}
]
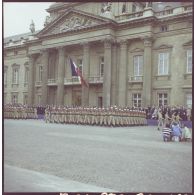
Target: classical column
[
  {"x": 85, "y": 90},
  {"x": 114, "y": 75},
  {"x": 147, "y": 76},
  {"x": 45, "y": 61},
  {"x": 60, "y": 78},
  {"x": 107, "y": 71},
  {"x": 31, "y": 81},
  {"x": 122, "y": 90}
]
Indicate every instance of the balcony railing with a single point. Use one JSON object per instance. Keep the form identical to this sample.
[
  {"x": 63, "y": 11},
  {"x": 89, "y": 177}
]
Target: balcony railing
[
  {"x": 25, "y": 84},
  {"x": 71, "y": 81},
  {"x": 135, "y": 78},
  {"x": 51, "y": 82},
  {"x": 129, "y": 16},
  {"x": 188, "y": 8},
  {"x": 96, "y": 79},
  {"x": 164, "y": 12},
  {"x": 38, "y": 83}
]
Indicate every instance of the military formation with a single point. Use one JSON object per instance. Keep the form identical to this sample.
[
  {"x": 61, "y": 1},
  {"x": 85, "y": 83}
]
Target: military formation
[
  {"x": 19, "y": 111},
  {"x": 111, "y": 116}
]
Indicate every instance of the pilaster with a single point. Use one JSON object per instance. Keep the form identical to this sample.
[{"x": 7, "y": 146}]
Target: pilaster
[
  {"x": 114, "y": 75},
  {"x": 60, "y": 77},
  {"x": 45, "y": 60},
  {"x": 107, "y": 72},
  {"x": 31, "y": 81},
  {"x": 122, "y": 90},
  {"x": 85, "y": 90},
  {"x": 147, "y": 79}
]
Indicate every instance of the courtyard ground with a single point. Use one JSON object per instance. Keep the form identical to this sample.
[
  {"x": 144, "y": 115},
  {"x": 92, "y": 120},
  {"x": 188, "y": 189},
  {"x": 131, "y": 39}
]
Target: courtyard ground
[{"x": 42, "y": 157}]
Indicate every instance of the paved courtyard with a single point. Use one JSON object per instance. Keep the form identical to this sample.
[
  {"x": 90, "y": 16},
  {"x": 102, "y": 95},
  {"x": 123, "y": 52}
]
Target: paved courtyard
[{"x": 42, "y": 157}]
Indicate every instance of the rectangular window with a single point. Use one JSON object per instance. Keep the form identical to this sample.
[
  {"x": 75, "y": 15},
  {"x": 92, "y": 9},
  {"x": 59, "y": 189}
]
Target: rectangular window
[
  {"x": 189, "y": 61},
  {"x": 138, "y": 66},
  {"x": 40, "y": 73},
  {"x": 39, "y": 99},
  {"x": 5, "y": 77},
  {"x": 80, "y": 65},
  {"x": 15, "y": 76},
  {"x": 100, "y": 102},
  {"x": 26, "y": 75},
  {"x": 164, "y": 28},
  {"x": 133, "y": 8},
  {"x": 189, "y": 100},
  {"x": 5, "y": 98},
  {"x": 162, "y": 99},
  {"x": 14, "y": 98},
  {"x": 163, "y": 63},
  {"x": 137, "y": 100},
  {"x": 25, "y": 99},
  {"x": 101, "y": 67}
]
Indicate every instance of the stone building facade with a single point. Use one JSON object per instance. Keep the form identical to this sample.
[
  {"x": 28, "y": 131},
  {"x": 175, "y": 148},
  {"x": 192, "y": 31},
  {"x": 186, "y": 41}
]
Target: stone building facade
[{"x": 131, "y": 54}]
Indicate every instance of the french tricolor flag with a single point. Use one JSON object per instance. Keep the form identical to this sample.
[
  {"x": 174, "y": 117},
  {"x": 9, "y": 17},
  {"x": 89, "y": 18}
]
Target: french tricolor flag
[{"x": 76, "y": 72}]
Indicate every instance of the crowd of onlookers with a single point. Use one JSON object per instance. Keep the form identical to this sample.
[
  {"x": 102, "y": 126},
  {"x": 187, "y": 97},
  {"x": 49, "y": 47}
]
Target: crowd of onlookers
[
  {"x": 175, "y": 132},
  {"x": 171, "y": 122},
  {"x": 183, "y": 112}
]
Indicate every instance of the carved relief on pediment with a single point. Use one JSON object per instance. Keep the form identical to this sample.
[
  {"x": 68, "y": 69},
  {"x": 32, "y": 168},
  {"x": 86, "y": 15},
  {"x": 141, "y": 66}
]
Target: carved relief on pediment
[
  {"x": 76, "y": 22},
  {"x": 72, "y": 20}
]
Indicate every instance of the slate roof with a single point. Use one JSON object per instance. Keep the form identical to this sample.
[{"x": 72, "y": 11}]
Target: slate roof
[{"x": 18, "y": 37}]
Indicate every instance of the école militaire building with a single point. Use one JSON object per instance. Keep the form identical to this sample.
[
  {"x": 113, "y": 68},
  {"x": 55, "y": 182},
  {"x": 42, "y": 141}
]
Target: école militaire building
[{"x": 130, "y": 53}]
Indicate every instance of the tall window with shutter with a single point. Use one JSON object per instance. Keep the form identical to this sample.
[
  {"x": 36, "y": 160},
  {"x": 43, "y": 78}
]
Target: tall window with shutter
[
  {"x": 138, "y": 67},
  {"x": 163, "y": 63}
]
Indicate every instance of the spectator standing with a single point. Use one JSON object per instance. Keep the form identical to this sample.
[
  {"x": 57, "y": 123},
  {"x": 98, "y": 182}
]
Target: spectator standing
[
  {"x": 176, "y": 132},
  {"x": 186, "y": 134},
  {"x": 160, "y": 119},
  {"x": 166, "y": 133}
]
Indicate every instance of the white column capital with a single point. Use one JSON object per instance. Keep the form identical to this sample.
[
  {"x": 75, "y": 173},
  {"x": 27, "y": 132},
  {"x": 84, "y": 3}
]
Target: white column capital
[{"x": 147, "y": 41}]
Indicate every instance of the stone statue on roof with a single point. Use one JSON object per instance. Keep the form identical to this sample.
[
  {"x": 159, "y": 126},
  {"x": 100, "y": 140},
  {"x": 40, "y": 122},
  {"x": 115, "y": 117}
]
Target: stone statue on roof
[
  {"x": 47, "y": 20},
  {"x": 32, "y": 27},
  {"x": 106, "y": 7},
  {"x": 148, "y": 4}
]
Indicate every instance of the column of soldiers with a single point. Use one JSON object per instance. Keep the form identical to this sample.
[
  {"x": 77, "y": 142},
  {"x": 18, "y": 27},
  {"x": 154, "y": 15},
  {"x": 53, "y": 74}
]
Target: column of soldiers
[
  {"x": 111, "y": 116},
  {"x": 20, "y": 112}
]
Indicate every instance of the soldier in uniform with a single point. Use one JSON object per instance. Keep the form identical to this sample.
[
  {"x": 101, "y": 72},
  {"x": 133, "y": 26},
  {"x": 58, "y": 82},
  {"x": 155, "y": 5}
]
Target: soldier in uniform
[{"x": 160, "y": 119}]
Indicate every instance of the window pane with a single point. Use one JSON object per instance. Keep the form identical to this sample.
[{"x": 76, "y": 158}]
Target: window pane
[
  {"x": 101, "y": 67},
  {"x": 136, "y": 100},
  {"x": 5, "y": 76},
  {"x": 138, "y": 65},
  {"x": 189, "y": 61},
  {"x": 189, "y": 99},
  {"x": 166, "y": 63},
  {"x": 163, "y": 64}
]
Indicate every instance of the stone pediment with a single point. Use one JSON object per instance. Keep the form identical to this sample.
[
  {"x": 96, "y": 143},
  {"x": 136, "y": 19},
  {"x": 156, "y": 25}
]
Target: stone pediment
[
  {"x": 137, "y": 50},
  {"x": 189, "y": 43},
  {"x": 164, "y": 46},
  {"x": 72, "y": 20}
]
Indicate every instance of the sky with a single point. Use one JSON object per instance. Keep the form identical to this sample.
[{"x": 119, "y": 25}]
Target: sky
[{"x": 17, "y": 16}]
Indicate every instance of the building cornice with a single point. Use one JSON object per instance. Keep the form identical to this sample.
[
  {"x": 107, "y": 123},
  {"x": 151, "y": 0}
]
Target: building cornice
[{"x": 61, "y": 7}]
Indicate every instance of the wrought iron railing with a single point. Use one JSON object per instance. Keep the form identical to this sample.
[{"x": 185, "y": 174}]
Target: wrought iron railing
[
  {"x": 135, "y": 79},
  {"x": 51, "y": 81},
  {"x": 129, "y": 15},
  {"x": 96, "y": 79}
]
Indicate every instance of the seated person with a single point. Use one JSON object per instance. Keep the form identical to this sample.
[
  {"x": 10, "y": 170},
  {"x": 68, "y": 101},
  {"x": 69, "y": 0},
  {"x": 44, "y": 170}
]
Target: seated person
[
  {"x": 166, "y": 133},
  {"x": 176, "y": 131},
  {"x": 186, "y": 134}
]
